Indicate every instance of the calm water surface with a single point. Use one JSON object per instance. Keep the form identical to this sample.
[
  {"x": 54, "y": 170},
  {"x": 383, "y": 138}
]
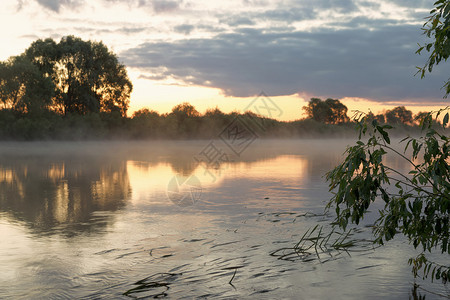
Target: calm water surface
[{"x": 140, "y": 220}]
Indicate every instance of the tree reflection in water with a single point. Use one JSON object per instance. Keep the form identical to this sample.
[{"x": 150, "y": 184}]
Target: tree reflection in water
[{"x": 62, "y": 194}]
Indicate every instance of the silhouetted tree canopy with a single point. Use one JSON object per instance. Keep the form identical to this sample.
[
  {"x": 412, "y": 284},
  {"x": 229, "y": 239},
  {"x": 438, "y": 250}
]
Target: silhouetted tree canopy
[
  {"x": 330, "y": 111},
  {"x": 72, "y": 76},
  {"x": 23, "y": 87},
  {"x": 399, "y": 115},
  {"x": 380, "y": 118},
  {"x": 185, "y": 110}
]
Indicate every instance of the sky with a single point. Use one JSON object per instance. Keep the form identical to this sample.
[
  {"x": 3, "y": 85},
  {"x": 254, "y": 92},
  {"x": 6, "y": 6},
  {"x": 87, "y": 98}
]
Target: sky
[{"x": 225, "y": 53}]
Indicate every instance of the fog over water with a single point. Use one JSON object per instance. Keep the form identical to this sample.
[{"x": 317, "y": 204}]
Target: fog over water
[{"x": 102, "y": 220}]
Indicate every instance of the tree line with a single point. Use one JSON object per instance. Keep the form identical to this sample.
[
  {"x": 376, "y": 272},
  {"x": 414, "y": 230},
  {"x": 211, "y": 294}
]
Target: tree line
[
  {"x": 183, "y": 122},
  {"x": 76, "y": 89},
  {"x": 332, "y": 111}
]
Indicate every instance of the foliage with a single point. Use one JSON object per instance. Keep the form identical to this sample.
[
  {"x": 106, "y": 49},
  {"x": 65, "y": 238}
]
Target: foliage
[
  {"x": 183, "y": 122},
  {"x": 23, "y": 87},
  {"x": 437, "y": 28},
  {"x": 417, "y": 204},
  {"x": 330, "y": 111},
  {"x": 184, "y": 110},
  {"x": 399, "y": 115},
  {"x": 72, "y": 76},
  {"x": 380, "y": 118}
]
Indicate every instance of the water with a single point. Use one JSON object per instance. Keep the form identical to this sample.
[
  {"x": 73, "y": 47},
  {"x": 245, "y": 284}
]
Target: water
[{"x": 140, "y": 220}]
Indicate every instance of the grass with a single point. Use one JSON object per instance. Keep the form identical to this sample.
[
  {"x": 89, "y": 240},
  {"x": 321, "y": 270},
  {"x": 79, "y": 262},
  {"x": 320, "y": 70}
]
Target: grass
[{"x": 320, "y": 241}]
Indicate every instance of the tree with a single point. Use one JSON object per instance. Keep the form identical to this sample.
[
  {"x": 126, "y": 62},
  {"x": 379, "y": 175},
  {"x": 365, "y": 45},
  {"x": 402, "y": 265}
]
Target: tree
[
  {"x": 422, "y": 115},
  {"x": 399, "y": 115},
  {"x": 88, "y": 77},
  {"x": 330, "y": 111},
  {"x": 380, "y": 118},
  {"x": 145, "y": 113},
  {"x": 185, "y": 119},
  {"x": 23, "y": 87},
  {"x": 185, "y": 110},
  {"x": 417, "y": 204},
  {"x": 338, "y": 111}
]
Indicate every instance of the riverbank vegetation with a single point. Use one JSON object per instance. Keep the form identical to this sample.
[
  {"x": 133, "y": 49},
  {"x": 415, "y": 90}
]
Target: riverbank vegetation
[
  {"x": 183, "y": 122},
  {"x": 76, "y": 90}
]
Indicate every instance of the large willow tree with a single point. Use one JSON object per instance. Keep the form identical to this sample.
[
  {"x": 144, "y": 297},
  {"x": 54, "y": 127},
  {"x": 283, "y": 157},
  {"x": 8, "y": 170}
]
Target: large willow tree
[{"x": 85, "y": 77}]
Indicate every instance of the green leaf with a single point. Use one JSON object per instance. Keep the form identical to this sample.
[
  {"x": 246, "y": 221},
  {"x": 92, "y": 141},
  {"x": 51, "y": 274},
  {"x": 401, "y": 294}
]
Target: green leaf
[
  {"x": 384, "y": 134},
  {"x": 445, "y": 121}
]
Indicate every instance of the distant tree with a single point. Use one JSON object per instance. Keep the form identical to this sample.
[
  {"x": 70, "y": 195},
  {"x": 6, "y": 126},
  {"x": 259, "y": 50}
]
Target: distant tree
[
  {"x": 338, "y": 111},
  {"x": 145, "y": 113},
  {"x": 330, "y": 111},
  {"x": 422, "y": 115},
  {"x": 379, "y": 118},
  {"x": 399, "y": 115},
  {"x": 214, "y": 113},
  {"x": 23, "y": 87},
  {"x": 184, "y": 120},
  {"x": 185, "y": 110},
  {"x": 146, "y": 123},
  {"x": 88, "y": 77},
  {"x": 317, "y": 110}
]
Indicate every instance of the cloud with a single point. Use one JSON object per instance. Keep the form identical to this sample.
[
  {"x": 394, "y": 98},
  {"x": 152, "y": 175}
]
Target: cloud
[
  {"x": 184, "y": 29},
  {"x": 413, "y": 3},
  {"x": 376, "y": 64},
  {"x": 158, "y": 6},
  {"x": 55, "y": 5},
  {"x": 236, "y": 20},
  {"x": 335, "y": 48},
  {"x": 112, "y": 30},
  {"x": 163, "y": 6}
]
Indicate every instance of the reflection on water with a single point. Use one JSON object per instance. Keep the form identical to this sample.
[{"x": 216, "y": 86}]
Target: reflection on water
[
  {"x": 94, "y": 221},
  {"x": 46, "y": 193}
]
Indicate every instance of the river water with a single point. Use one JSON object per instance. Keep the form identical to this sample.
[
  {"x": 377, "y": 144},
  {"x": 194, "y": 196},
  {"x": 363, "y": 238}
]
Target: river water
[{"x": 185, "y": 219}]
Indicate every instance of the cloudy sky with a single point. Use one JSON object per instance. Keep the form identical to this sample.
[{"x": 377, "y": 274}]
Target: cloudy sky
[{"x": 224, "y": 53}]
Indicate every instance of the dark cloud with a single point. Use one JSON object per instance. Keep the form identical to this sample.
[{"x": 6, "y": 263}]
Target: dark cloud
[
  {"x": 158, "y": 6},
  {"x": 184, "y": 29},
  {"x": 414, "y": 3},
  {"x": 377, "y": 64},
  {"x": 343, "y": 6},
  {"x": 364, "y": 22},
  {"x": 286, "y": 14},
  {"x": 163, "y": 6},
  {"x": 55, "y": 5},
  {"x": 236, "y": 20}
]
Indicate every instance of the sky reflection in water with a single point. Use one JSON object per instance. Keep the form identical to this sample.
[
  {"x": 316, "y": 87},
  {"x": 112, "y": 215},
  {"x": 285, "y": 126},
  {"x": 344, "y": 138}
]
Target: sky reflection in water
[{"x": 92, "y": 219}]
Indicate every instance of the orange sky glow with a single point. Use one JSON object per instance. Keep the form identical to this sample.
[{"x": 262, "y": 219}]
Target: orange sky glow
[{"x": 223, "y": 54}]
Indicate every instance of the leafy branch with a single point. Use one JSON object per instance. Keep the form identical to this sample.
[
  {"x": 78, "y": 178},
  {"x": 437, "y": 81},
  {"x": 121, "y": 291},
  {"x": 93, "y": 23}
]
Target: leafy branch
[
  {"x": 417, "y": 204},
  {"x": 437, "y": 27}
]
